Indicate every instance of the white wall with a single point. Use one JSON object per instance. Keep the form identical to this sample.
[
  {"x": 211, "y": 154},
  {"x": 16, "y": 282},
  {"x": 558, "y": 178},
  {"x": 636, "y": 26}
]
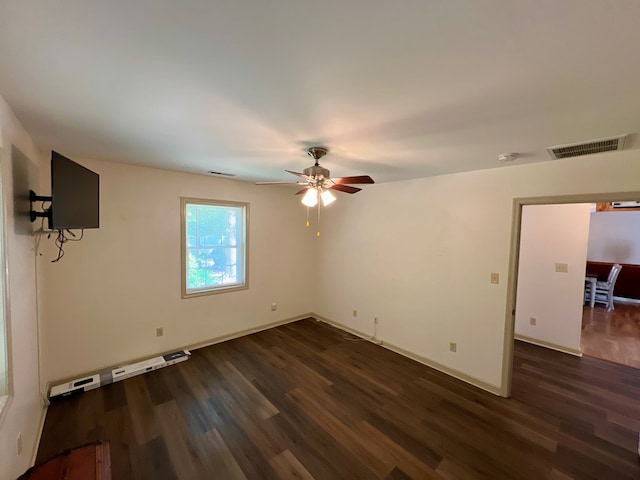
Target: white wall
[
  {"x": 419, "y": 254},
  {"x": 102, "y": 303},
  {"x": 552, "y": 234},
  {"x": 19, "y": 163},
  {"x": 615, "y": 237}
]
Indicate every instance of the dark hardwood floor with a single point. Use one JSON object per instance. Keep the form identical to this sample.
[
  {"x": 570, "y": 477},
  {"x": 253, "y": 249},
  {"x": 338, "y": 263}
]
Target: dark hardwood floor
[{"x": 300, "y": 401}]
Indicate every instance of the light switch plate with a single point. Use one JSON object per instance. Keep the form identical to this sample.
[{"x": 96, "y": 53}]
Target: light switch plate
[{"x": 562, "y": 268}]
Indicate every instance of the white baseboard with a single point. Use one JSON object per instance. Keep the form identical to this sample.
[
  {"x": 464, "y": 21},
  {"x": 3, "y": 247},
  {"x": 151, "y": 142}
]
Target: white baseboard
[
  {"x": 248, "y": 331},
  {"x": 34, "y": 452},
  {"x": 193, "y": 346},
  {"x": 552, "y": 346},
  {"x": 418, "y": 358}
]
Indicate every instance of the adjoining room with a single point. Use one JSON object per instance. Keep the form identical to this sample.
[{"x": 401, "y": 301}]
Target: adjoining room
[
  {"x": 611, "y": 318},
  {"x": 573, "y": 256}
]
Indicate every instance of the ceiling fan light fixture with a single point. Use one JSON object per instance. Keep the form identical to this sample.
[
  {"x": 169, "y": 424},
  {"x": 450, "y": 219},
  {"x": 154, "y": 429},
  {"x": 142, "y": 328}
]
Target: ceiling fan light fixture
[
  {"x": 327, "y": 198},
  {"x": 310, "y": 198}
]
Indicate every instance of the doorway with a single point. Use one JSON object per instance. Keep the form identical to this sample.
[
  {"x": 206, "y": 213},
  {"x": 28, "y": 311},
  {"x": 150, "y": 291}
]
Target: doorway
[{"x": 512, "y": 285}]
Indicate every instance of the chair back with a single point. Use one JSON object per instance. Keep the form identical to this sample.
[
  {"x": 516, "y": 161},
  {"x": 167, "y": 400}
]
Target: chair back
[{"x": 613, "y": 275}]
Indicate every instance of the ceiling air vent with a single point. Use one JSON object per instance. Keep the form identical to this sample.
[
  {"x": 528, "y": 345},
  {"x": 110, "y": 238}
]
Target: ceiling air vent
[{"x": 587, "y": 148}]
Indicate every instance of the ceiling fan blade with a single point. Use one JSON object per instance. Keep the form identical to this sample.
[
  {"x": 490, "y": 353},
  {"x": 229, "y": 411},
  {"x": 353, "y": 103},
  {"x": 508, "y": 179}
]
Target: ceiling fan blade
[
  {"x": 300, "y": 192},
  {"x": 301, "y": 175},
  {"x": 346, "y": 188},
  {"x": 353, "y": 180}
]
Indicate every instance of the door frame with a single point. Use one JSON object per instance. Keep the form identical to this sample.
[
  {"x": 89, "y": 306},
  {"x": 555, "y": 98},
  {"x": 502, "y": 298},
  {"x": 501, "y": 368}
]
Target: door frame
[{"x": 514, "y": 257}]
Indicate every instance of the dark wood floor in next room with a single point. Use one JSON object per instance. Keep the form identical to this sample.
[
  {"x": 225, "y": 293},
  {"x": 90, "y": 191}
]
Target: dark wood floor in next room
[
  {"x": 300, "y": 401},
  {"x": 613, "y": 336}
]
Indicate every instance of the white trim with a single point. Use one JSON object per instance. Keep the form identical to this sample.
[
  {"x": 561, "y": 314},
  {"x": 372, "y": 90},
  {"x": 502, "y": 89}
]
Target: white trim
[
  {"x": 552, "y": 346},
  {"x": 34, "y": 453},
  {"x": 5, "y": 303},
  {"x": 242, "y": 250},
  {"x": 418, "y": 358},
  {"x": 193, "y": 346},
  {"x": 248, "y": 331}
]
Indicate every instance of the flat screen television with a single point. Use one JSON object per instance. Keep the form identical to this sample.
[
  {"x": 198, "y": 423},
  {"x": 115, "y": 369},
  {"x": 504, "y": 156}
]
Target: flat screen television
[{"x": 75, "y": 195}]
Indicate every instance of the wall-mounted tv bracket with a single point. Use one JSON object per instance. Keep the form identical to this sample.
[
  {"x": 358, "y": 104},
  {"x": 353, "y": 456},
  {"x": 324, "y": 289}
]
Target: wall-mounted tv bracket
[{"x": 38, "y": 198}]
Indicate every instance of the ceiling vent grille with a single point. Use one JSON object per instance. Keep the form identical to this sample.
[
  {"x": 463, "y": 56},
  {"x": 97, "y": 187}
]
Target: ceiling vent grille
[{"x": 587, "y": 148}]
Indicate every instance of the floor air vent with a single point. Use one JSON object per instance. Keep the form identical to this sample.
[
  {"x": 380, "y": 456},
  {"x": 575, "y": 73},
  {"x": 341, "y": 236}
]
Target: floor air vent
[{"x": 587, "y": 148}]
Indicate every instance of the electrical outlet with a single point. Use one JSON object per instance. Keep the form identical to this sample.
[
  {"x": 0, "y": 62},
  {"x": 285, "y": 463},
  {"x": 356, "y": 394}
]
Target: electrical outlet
[
  {"x": 562, "y": 268},
  {"x": 375, "y": 320},
  {"x": 159, "y": 331},
  {"x": 453, "y": 347},
  {"x": 495, "y": 278},
  {"x": 532, "y": 321},
  {"x": 274, "y": 306},
  {"x": 19, "y": 444},
  {"x": 355, "y": 313}
]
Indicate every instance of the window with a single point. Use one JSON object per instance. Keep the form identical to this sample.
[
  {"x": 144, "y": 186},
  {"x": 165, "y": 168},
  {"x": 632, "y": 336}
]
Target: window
[
  {"x": 4, "y": 342},
  {"x": 214, "y": 246}
]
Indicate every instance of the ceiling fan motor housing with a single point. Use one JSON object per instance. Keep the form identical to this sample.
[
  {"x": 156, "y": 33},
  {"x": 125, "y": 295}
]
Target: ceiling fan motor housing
[
  {"x": 319, "y": 178},
  {"x": 317, "y": 172}
]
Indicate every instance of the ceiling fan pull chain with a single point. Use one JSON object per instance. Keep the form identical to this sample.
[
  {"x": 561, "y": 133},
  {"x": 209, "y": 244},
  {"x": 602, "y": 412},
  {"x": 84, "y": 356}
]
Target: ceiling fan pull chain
[
  {"x": 307, "y": 216},
  {"x": 318, "y": 232}
]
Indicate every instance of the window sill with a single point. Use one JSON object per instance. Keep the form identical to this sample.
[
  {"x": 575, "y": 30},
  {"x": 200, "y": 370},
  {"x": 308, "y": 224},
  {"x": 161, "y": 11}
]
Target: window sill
[{"x": 201, "y": 293}]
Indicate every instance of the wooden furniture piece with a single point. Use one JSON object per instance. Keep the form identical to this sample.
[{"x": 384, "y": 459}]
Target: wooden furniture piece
[{"x": 89, "y": 462}]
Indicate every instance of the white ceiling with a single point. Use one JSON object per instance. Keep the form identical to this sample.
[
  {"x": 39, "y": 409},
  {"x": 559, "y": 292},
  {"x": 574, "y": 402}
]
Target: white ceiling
[{"x": 396, "y": 89}]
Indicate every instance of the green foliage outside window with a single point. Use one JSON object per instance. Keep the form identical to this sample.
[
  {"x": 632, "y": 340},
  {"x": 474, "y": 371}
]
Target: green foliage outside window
[{"x": 214, "y": 237}]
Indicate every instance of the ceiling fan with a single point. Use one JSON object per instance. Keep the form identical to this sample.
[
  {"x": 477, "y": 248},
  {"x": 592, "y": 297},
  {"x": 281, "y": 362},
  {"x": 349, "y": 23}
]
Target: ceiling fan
[{"x": 317, "y": 181}]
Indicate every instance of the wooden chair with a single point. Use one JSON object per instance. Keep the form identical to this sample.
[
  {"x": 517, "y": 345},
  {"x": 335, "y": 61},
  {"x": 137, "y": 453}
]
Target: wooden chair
[{"x": 604, "y": 290}]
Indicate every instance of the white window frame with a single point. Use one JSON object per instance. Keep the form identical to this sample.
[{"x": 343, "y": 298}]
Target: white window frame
[
  {"x": 242, "y": 249},
  {"x": 5, "y": 399}
]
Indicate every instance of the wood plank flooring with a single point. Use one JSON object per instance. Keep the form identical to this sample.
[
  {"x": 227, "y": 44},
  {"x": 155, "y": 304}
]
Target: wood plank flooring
[
  {"x": 613, "y": 336},
  {"x": 302, "y": 402}
]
